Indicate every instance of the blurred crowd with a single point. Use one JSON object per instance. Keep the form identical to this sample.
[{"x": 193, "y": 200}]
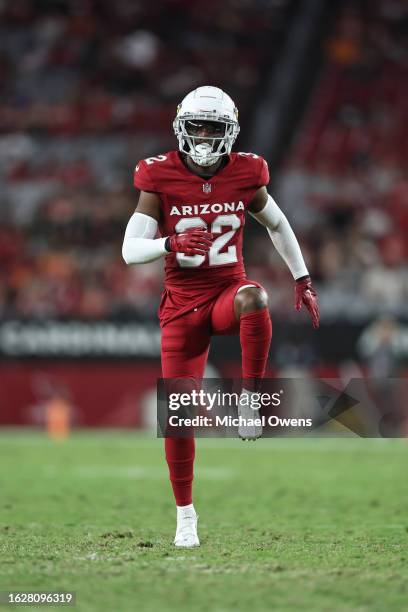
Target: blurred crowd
[
  {"x": 89, "y": 88},
  {"x": 344, "y": 181},
  {"x": 70, "y": 66}
]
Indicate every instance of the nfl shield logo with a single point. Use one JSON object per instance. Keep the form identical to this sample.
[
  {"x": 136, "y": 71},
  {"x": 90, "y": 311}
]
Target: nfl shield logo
[{"x": 207, "y": 188}]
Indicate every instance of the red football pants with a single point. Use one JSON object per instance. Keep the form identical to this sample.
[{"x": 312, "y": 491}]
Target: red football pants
[{"x": 185, "y": 346}]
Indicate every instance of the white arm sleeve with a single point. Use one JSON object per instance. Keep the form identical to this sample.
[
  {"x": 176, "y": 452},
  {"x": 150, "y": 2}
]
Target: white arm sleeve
[
  {"x": 282, "y": 236},
  {"x": 138, "y": 244}
]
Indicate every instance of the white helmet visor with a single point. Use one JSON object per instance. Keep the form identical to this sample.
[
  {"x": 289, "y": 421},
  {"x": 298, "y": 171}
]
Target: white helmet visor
[{"x": 205, "y": 140}]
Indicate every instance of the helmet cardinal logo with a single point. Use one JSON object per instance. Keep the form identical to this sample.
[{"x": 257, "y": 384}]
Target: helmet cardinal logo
[
  {"x": 207, "y": 188},
  {"x": 205, "y": 104}
]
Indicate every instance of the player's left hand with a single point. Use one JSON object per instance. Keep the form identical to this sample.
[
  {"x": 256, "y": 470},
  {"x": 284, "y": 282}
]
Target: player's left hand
[{"x": 305, "y": 293}]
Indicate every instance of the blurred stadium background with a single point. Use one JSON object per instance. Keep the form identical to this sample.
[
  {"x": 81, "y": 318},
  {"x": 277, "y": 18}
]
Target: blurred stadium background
[{"x": 87, "y": 88}]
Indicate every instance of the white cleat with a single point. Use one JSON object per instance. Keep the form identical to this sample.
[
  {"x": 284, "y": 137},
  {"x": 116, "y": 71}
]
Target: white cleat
[
  {"x": 186, "y": 532},
  {"x": 251, "y": 428}
]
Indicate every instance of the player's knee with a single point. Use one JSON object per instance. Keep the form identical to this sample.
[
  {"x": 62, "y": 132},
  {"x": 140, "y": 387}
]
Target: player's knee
[{"x": 251, "y": 299}]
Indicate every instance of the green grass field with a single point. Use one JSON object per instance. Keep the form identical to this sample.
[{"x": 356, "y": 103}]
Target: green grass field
[{"x": 318, "y": 524}]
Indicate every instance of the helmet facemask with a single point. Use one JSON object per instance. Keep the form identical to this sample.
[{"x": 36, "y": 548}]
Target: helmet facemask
[{"x": 205, "y": 150}]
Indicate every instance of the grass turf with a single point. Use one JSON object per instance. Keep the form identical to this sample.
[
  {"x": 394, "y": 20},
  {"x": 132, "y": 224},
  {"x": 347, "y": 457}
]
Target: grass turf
[{"x": 316, "y": 524}]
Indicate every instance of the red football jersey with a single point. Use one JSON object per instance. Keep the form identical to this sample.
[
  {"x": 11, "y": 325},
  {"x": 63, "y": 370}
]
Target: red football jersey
[{"x": 218, "y": 204}]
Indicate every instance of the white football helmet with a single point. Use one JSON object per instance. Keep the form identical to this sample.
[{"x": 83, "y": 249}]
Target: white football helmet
[{"x": 212, "y": 110}]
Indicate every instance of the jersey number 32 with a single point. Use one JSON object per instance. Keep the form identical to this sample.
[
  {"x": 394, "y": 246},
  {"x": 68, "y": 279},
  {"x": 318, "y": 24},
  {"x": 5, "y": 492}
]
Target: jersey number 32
[{"x": 215, "y": 258}]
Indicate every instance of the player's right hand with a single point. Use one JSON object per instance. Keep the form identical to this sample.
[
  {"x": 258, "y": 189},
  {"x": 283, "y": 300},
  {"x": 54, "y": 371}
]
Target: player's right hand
[{"x": 193, "y": 241}]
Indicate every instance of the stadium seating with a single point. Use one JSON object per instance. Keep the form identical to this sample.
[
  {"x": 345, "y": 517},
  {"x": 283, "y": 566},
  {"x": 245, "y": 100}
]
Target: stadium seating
[{"x": 78, "y": 109}]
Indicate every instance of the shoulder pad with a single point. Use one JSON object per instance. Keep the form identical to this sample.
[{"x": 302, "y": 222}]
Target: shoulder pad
[
  {"x": 258, "y": 166},
  {"x": 143, "y": 177}
]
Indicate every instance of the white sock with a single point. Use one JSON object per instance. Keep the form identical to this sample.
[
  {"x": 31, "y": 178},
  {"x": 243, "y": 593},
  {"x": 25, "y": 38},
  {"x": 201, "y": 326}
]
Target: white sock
[{"x": 185, "y": 511}]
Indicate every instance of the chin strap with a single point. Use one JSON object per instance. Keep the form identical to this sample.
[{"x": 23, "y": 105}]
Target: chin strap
[{"x": 204, "y": 151}]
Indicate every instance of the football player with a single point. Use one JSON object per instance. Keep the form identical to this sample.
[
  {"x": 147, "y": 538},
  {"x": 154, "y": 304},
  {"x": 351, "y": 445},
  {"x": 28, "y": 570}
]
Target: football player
[{"x": 197, "y": 198}]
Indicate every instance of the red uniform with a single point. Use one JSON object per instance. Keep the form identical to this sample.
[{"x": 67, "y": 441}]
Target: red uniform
[{"x": 198, "y": 300}]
